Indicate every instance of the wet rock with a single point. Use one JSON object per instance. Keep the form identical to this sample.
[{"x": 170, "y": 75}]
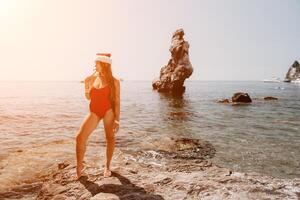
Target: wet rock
[
  {"x": 293, "y": 72},
  {"x": 179, "y": 68},
  {"x": 163, "y": 181},
  {"x": 182, "y": 148},
  {"x": 223, "y": 101},
  {"x": 270, "y": 98},
  {"x": 62, "y": 165},
  {"x": 241, "y": 97},
  {"x": 182, "y": 144},
  {"x": 188, "y": 166}
]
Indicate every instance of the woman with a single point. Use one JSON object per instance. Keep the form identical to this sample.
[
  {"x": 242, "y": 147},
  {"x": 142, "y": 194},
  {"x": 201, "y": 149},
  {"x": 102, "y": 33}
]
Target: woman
[{"x": 103, "y": 91}]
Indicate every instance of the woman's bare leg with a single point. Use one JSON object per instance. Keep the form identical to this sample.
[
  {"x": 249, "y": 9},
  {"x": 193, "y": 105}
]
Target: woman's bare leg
[
  {"x": 89, "y": 124},
  {"x": 108, "y": 122}
]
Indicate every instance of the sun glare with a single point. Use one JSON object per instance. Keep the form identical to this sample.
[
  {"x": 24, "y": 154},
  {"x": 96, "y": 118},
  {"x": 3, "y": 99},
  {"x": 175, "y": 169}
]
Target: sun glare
[{"x": 5, "y": 6}]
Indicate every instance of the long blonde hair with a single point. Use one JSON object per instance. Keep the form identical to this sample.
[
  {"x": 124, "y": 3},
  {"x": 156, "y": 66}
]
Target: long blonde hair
[{"x": 107, "y": 72}]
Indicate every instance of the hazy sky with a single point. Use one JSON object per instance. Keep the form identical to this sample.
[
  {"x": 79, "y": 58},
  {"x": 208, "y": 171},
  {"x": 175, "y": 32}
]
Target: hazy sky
[{"x": 229, "y": 39}]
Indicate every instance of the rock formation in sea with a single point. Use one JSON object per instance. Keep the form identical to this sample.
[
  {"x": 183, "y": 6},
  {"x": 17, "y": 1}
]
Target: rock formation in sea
[
  {"x": 238, "y": 98},
  {"x": 179, "y": 68},
  {"x": 241, "y": 97},
  {"x": 293, "y": 73}
]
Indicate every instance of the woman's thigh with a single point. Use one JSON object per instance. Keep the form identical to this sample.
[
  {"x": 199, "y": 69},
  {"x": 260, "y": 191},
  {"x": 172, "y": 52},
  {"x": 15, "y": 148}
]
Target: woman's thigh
[
  {"x": 89, "y": 124},
  {"x": 108, "y": 121}
]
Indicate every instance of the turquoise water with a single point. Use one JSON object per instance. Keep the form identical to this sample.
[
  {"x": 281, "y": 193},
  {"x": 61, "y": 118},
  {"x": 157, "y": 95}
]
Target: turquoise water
[{"x": 263, "y": 137}]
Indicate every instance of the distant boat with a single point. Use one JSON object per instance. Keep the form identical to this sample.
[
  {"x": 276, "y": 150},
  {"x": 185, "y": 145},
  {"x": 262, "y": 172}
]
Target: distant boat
[
  {"x": 273, "y": 80},
  {"x": 279, "y": 88}
]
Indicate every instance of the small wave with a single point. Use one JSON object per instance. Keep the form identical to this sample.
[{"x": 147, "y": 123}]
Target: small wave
[
  {"x": 287, "y": 122},
  {"x": 279, "y": 88}
]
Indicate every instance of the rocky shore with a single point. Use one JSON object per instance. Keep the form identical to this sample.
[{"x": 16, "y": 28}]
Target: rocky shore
[{"x": 169, "y": 168}]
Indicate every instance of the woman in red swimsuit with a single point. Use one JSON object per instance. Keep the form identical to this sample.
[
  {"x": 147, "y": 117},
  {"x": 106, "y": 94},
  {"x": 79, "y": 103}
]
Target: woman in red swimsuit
[{"x": 103, "y": 91}]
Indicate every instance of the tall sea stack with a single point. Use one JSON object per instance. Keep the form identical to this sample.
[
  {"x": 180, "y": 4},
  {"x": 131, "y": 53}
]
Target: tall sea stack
[
  {"x": 179, "y": 68},
  {"x": 293, "y": 73}
]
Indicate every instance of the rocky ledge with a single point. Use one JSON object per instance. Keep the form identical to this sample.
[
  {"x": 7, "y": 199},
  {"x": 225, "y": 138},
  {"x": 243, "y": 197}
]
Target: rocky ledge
[{"x": 178, "y": 168}]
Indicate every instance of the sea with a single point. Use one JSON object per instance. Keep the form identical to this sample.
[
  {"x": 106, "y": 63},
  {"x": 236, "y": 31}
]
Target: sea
[{"x": 37, "y": 119}]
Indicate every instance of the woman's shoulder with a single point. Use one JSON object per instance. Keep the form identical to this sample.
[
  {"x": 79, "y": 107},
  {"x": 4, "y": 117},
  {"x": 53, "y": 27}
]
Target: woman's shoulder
[{"x": 116, "y": 80}]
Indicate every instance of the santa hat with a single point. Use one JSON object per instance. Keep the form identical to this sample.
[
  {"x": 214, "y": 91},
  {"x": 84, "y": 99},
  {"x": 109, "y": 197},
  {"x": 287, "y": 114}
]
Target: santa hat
[{"x": 103, "y": 57}]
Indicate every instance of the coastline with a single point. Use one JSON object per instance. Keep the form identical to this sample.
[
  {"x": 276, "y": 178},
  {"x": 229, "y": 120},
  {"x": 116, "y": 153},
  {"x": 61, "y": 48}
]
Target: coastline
[{"x": 183, "y": 170}]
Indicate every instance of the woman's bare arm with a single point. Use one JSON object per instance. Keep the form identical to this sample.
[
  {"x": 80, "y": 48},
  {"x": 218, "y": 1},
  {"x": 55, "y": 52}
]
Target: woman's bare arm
[
  {"x": 117, "y": 100},
  {"x": 88, "y": 83}
]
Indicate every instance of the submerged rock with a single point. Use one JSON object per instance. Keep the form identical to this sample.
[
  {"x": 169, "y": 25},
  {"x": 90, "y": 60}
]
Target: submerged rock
[
  {"x": 293, "y": 73},
  {"x": 270, "y": 98},
  {"x": 241, "y": 97},
  {"x": 223, "y": 101},
  {"x": 179, "y": 68},
  {"x": 188, "y": 148}
]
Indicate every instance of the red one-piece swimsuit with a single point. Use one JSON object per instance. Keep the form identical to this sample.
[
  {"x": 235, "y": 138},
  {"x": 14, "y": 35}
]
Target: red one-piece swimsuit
[{"x": 100, "y": 102}]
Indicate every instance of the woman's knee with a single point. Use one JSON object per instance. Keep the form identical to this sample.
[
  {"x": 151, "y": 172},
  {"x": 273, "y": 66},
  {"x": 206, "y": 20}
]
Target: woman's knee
[
  {"x": 110, "y": 139},
  {"x": 80, "y": 137},
  {"x": 108, "y": 118},
  {"x": 109, "y": 133}
]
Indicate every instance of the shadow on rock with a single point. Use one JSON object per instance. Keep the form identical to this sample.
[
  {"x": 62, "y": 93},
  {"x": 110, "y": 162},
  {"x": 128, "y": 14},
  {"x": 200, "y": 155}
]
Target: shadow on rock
[{"x": 126, "y": 190}]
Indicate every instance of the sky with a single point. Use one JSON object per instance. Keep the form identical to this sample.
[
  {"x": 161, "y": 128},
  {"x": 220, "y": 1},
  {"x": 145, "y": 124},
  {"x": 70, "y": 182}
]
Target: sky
[{"x": 56, "y": 40}]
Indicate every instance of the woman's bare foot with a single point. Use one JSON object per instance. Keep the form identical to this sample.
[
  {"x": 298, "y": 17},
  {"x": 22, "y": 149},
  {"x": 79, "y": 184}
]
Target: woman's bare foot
[
  {"x": 79, "y": 170},
  {"x": 107, "y": 172}
]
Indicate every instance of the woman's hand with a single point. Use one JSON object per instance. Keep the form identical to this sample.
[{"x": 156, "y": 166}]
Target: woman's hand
[
  {"x": 116, "y": 127},
  {"x": 88, "y": 81},
  {"x": 117, "y": 104}
]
